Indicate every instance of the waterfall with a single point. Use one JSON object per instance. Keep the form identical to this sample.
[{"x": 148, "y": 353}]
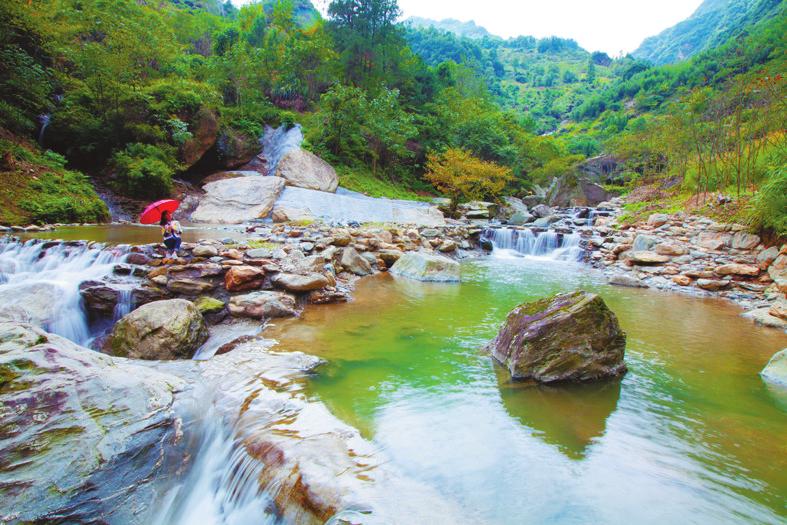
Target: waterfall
[
  {"x": 124, "y": 304},
  {"x": 40, "y": 280},
  {"x": 43, "y": 120},
  {"x": 549, "y": 244},
  {"x": 278, "y": 141}
]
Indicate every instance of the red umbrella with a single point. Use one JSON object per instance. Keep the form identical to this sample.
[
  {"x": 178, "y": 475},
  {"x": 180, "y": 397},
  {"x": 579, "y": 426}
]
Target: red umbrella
[{"x": 152, "y": 213}]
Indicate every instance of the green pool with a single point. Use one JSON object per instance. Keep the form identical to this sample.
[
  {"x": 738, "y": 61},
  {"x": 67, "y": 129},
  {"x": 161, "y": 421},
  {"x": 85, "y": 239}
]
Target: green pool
[{"x": 690, "y": 435}]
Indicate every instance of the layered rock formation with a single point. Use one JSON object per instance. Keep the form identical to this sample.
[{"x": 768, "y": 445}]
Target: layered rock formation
[{"x": 238, "y": 200}]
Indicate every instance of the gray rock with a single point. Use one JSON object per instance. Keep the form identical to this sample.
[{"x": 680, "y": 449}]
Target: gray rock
[
  {"x": 263, "y": 305},
  {"x": 300, "y": 283},
  {"x": 627, "y": 281},
  {"x": 775, "y": 371},
  {"x": 191, "y": 287},
  {"x": 745, "y": 241},
  {"x": 569, "y": 337},
  {"x": 427, "y": 267},
  {"x": 304, "y": 169},
  {"x": 94, "y": 435},
  {"x": 161, "y": 330},
  {"x": 40, "y": 307},
  {"x": 644, "y": 243},
  {"x": 205, "y": 250},
  {"x": 762, "y": 316},
  {"x": 238, "y": 200},
  {"x": 541, "y": 211},
  {"x": 352, "y": 261}
]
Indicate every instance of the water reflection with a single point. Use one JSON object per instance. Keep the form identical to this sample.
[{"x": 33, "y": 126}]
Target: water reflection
[{"x": 569, "y": 416}]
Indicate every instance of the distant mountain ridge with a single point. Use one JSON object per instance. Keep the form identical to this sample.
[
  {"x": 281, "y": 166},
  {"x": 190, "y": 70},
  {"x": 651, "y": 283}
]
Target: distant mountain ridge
[
  {"x": 713, "y": 23},
  {"x": 465, "y": 29}
]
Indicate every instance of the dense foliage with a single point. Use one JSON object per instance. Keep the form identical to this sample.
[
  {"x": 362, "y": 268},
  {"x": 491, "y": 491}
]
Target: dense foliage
[{"x": 138, "y": 93}]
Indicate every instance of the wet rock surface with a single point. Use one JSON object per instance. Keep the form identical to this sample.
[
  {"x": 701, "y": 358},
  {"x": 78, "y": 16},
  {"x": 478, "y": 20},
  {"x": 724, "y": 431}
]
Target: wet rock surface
[{"x": 569, "y": 337}]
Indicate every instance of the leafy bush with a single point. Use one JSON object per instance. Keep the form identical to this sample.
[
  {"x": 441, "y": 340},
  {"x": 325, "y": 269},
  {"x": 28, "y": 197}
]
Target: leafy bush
[
  {"x": 144, "y": 170},
  {"x": 64, "y": 197},
  {"x": 769, "y": 205}
]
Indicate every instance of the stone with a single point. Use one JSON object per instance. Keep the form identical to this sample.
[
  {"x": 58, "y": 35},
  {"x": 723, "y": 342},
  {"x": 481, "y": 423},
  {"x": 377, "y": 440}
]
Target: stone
[
  {"x": 643, "y": 243},
  {"x": 766, "y": 257},
  {"x": 341, "y": 237},
  {"x": 205, "y": 250},
  {"x": 568, "y": 337},
  {"x": 658, "y": 219},
  {"x": 204, "y": 129},
  {"x": 737, "y": 269},
  {"x": 300, "y": 283},
  {"x": 161, "y": 330},
  {"x": 195, "y": 271},
  {"x": 426, "y": 267},
  {"x": 712, "y": 285},
  {"x": 86, "y": 436},
  {"x": 238, "y": 200},
  {"x": 778, "y": 272},
  {"x": 627, "y": 281},
  {"x": 353, "y": 262},
  {"x": 518, "y": 219},
  {"x": 645, "y": 257},
  {"x": 713, "y": 240},
  {"x": 243, "y": 278},
  {"x": 390, "y": 257},
  {"x": 188, "y": 286},
  {"x": 779, "y": 308},
  {"x": 447, "y": 246},
  {"x": 263, "y": 305},
  {"x": 137, "y": 258},
  {"x": 99, "y": 299},
  {"x": 209, "y": 305},
  {"x": 259, "y": 253},
  {"x": 670, "y": 248},
  {"x": 541, "y": 211},
  {"x": 681, "y": 280},
  {"x": 775, "y": 371},
  {"x": 745, "y": 241},
  {"x": 304, "y": 169},
  {"x": 762, "y": 316}
]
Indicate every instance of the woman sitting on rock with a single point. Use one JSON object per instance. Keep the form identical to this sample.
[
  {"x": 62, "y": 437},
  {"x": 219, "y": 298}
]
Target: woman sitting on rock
[{"x": 172, "y": 232}]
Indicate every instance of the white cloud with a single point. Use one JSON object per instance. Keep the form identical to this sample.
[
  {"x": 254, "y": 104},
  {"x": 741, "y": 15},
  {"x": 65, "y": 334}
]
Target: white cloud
[{"x": 613, "y": 26}]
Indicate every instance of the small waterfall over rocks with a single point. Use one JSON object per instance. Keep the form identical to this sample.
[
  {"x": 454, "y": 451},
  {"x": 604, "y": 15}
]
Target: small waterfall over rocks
[
  {"x": 43, "y": 121},
  {"x": 278, "y": 141},
  {"x": 548, "y": 244},
  {"x": 39, "y": 283}
]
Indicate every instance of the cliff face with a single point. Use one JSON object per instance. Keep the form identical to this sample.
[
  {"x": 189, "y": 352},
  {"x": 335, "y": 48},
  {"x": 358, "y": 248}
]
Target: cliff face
[{"x": 713, "y": 23}]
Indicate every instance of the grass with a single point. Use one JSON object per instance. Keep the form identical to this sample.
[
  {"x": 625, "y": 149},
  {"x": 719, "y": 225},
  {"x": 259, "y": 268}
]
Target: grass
[
  {"x": 36, "y": 188},
  {"x": 363, "y": 181}
]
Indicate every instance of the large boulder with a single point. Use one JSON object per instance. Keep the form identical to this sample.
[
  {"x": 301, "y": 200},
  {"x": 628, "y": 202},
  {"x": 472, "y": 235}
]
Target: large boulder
[
  {"x": 569, "y": 337},
  {"x": 426, "y": 267},
  {"x": 204, "y": 131},
  {"x": 84, "y": 435},
  {"x": 352, "y": 261},
  {"x": 263, "y": 305},
  {"x": 304, "y": 169},
  {"x": 171, "y": 329},
  {"x": 778, "y": 272},
  {"x": 238, "y": 200},
  {"x": 776, "y": 370}
]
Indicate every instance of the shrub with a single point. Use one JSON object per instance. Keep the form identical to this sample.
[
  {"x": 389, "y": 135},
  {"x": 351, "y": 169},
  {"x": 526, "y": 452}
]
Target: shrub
[
  {"x": 144, "y": 170},
  {"x": 67, "y": 197},
  {"x": 769, "y": 205}
]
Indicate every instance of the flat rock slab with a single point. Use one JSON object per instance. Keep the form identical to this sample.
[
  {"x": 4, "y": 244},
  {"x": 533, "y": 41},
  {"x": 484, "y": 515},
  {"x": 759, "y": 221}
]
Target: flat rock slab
[{"x": 238, "y": 200}]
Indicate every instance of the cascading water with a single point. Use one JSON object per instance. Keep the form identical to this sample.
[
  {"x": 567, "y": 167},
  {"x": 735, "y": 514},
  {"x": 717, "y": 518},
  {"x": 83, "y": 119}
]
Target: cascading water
[
  {"x": 549, "y": 244},
  {"x": 40, "y": 280},
  {"x": 43, "y": 120},
  {"x": 278, "y": 141}
]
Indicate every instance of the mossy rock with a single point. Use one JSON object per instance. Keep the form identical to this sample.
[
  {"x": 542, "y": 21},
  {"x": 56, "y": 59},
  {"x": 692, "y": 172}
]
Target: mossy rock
[{"x": 209, "y": 305}]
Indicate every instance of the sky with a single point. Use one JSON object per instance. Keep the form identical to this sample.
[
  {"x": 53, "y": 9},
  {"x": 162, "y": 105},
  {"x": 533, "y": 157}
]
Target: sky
[{"x": 613, "y": 26}]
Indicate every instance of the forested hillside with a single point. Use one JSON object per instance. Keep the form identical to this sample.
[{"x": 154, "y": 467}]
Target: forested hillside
[
  {"x": 712, "y": 24},
  {"x": 138, "y": 94}
]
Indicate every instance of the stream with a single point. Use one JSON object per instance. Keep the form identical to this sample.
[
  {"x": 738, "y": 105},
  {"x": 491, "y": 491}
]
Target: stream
[{"x": 690, "y": 434}]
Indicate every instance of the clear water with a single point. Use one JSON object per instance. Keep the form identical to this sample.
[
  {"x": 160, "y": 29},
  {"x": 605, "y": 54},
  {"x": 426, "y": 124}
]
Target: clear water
[{"x": 690, "y": 435}]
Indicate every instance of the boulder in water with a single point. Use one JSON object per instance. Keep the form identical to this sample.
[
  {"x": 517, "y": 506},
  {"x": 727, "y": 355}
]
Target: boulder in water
[
  {"x": 238, "y": 200},
  {"x": 427, "y": 267},
  {"x": 171, "y": 329},
  {"x": 304, "y": 169},
  {"x": 568, "y": 337},
  {"x": 84, "y": 434},
  {"x": 775, "y": 371}
]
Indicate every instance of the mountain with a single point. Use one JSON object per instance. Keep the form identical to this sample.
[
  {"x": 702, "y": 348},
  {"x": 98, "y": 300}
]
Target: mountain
[
  {"x": 713, "y": 23},
  {"x": 463, "y": 29}
]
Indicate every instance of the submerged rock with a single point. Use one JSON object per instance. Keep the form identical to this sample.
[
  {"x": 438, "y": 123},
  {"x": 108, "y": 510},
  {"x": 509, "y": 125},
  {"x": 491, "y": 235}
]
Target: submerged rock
[
  {"x": 171, "y": 329},
  {"x": 84, "y": 435},
  {"x": 776, "y": 369},
  {"x": 569, "y": 337},
  {"x": 427, "y": 267}
]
